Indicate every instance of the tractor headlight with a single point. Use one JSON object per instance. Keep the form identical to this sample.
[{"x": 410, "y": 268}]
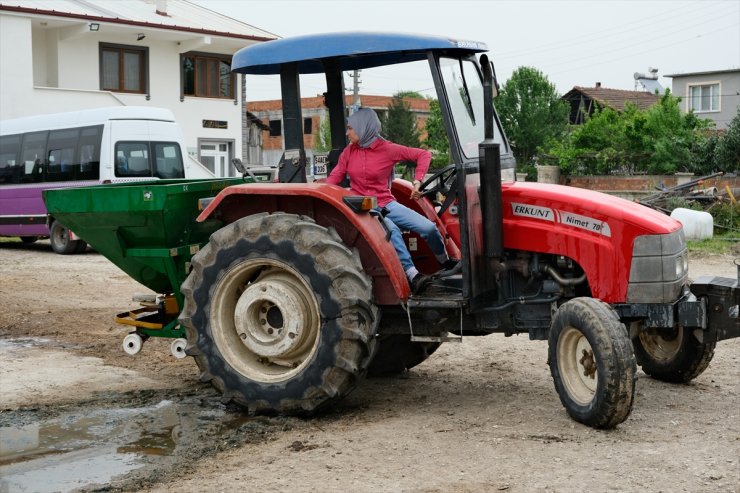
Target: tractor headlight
[
  {"x": 682, "y": 265},
  {"x": 659, "y": 268}
]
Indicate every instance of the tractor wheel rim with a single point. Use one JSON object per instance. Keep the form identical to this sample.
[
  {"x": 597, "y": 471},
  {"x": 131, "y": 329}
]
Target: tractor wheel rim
[
  {"x": 577, "y": 366},
  {"x": 660, "y": 348},
  {"x": 265, "y": 320},
  {"x": 273, "y": 317}
]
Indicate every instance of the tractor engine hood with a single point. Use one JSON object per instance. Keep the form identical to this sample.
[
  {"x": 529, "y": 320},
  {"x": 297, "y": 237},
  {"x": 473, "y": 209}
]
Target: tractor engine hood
[{"x": 596, "y": 230}]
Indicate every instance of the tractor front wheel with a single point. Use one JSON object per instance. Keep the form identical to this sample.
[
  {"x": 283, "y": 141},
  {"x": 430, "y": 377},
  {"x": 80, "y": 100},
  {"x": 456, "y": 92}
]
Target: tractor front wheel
[
  {"x": 592, "y": 363},
  {"x": 278, "y": 314}
]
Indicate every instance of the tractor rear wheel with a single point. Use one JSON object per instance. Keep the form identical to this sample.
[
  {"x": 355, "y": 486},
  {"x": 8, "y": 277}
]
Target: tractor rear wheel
[
  {"x": 677, "y": 356},
  {"x": 396, "y": 353},
  {"x": 592, "y": 363},
  {"x": 278, "y": 314}
]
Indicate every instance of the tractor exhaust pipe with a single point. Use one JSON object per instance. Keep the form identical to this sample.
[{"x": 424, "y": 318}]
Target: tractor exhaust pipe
[
  {"x": 489, "y": 162},
  {"x": 490, "y": 197}
]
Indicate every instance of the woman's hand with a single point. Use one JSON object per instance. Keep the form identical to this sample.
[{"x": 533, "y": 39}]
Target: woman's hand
[{"x": 416, "y": 194}]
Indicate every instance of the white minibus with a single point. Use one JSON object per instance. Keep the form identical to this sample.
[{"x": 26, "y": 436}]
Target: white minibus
[{"x": 80, "y": 148}]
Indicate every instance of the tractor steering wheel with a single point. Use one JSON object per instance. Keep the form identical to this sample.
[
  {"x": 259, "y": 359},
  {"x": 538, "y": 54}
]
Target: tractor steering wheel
[
  {"x": 446, "y": 177},
  {"x": 447, "y": 186}
]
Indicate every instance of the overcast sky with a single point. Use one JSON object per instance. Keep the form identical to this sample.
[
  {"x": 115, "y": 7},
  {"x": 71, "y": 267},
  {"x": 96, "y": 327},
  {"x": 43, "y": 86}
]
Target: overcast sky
[{"x": 571, "y": 42}]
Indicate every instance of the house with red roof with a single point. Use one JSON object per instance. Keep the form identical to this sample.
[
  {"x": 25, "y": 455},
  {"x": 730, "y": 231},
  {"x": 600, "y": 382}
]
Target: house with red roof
[{"x": 585, "y": 100}]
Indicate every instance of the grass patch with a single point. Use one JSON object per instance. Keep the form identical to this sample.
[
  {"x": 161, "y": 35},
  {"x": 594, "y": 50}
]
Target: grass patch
[{"x": 723, "y": 243}]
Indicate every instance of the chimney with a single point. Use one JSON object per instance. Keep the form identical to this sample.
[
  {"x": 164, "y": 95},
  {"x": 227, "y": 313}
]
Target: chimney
[
  {"x": 598, "y": 85},
  {"x": 161, "y": 6}
]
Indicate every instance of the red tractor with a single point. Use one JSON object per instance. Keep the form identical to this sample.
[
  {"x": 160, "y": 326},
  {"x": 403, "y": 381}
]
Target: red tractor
[
  {"x": 301, "y": 293},
  {"x": 298, "y": 293}
]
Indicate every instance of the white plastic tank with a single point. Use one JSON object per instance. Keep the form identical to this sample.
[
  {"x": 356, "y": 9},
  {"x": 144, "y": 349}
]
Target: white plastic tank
[{"x": 697, "y": 225}]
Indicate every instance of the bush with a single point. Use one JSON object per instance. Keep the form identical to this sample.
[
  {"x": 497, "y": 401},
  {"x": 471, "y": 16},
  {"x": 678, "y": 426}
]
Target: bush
[
  {"x": 727, "y": 153},
  {"x": 727, "y": 216},
  {"x": 659, "y": 140}
]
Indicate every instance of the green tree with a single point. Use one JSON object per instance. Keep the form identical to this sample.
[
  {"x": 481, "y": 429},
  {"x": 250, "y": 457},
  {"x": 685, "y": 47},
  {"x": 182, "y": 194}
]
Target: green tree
[
  {"x": 596, "y": 147},
  {"x": 532, "y": 113},
  {"x": 399, "y": 123},
  {"x": 399, "y": 126},
  {"x": 727, "y": 152},
  {"x": 658, "y": 140},
  {"x": 409, "y": 94},
  {"x": 322, "y": 138},
  {"x": 436, "y": 139},
  {"x": 671, "y": 136}
]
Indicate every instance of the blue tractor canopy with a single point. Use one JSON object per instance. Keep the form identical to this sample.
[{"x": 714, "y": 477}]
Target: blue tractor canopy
[
  {"x": 351, "y": 50},
  {"x": 453, "y": 71}
]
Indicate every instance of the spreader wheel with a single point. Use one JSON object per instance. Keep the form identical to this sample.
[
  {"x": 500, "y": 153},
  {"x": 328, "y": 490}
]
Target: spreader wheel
[{"x": 132, "y": 344}]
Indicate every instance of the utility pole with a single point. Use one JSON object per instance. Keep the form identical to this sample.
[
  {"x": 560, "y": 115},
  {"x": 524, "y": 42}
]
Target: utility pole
[{"x": 355, "y": 90}]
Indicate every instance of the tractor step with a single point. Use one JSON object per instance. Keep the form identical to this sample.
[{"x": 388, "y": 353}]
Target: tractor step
[{"x": 435, "y": 302}]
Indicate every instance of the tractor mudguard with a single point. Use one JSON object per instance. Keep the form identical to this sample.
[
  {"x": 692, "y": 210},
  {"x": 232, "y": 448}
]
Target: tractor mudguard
[{"x": 324, "y": 203}]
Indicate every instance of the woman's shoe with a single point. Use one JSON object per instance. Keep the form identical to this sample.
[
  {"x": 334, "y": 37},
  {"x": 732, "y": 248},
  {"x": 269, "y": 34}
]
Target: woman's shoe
[{"x": 419, "y": 283}]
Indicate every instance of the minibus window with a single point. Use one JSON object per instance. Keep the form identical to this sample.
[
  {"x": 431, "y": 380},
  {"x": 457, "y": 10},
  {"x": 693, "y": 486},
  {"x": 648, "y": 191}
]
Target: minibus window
[
  {"x": 9, "y": 166},
  {"x": 168, "y": 160},
  {"x": 61, "y": 164},
  {"x": 90, "y": 140},
  {"x": 33, "y": 154},
  {"x": 132, "y": 159}
]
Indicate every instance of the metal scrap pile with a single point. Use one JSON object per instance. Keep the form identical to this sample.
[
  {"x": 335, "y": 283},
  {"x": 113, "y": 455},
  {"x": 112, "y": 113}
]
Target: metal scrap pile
[{"x": 694, "y": 194}]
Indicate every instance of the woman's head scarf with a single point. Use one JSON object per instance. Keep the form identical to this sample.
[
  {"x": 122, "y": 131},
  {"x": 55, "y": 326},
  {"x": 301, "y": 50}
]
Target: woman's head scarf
[{"x": 366, "y": 124}]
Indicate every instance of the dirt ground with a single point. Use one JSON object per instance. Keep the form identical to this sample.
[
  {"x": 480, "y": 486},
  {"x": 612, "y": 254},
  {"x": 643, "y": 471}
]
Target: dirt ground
[{"x": 482, "y": 415}]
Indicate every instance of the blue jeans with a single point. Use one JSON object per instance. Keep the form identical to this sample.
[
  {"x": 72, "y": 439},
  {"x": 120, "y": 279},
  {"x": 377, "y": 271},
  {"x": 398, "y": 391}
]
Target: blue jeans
[{"x": 401, "y": 217}]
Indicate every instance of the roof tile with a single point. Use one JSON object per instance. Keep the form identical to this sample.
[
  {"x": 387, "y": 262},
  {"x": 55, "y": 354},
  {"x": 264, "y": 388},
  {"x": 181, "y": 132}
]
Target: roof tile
[{"x": 615, "y": 98}]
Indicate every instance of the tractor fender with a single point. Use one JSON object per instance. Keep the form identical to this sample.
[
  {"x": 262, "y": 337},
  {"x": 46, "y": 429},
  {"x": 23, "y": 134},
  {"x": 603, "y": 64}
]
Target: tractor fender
[{"x": 324, "y": 203}]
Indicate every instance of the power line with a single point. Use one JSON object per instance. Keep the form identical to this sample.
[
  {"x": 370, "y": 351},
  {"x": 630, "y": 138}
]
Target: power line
[
  {"x": 603, "y": 34},
  {"x": 641, "y": 42},
  {"x": 630, "y": 55}
]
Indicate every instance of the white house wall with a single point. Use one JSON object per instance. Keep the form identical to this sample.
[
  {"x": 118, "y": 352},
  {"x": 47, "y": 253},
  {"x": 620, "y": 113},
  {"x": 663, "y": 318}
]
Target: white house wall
[
  {"x": 78, "y": 63},
  {"x": 729, "y": 99},
  {"x": 16, "y": 76},
  {"x": 43, "y": 73},
  {"x": 40, "y": 49}
]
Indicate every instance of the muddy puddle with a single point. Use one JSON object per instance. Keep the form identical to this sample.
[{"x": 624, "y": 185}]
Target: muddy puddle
[{"x": 119, "y": 440}]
